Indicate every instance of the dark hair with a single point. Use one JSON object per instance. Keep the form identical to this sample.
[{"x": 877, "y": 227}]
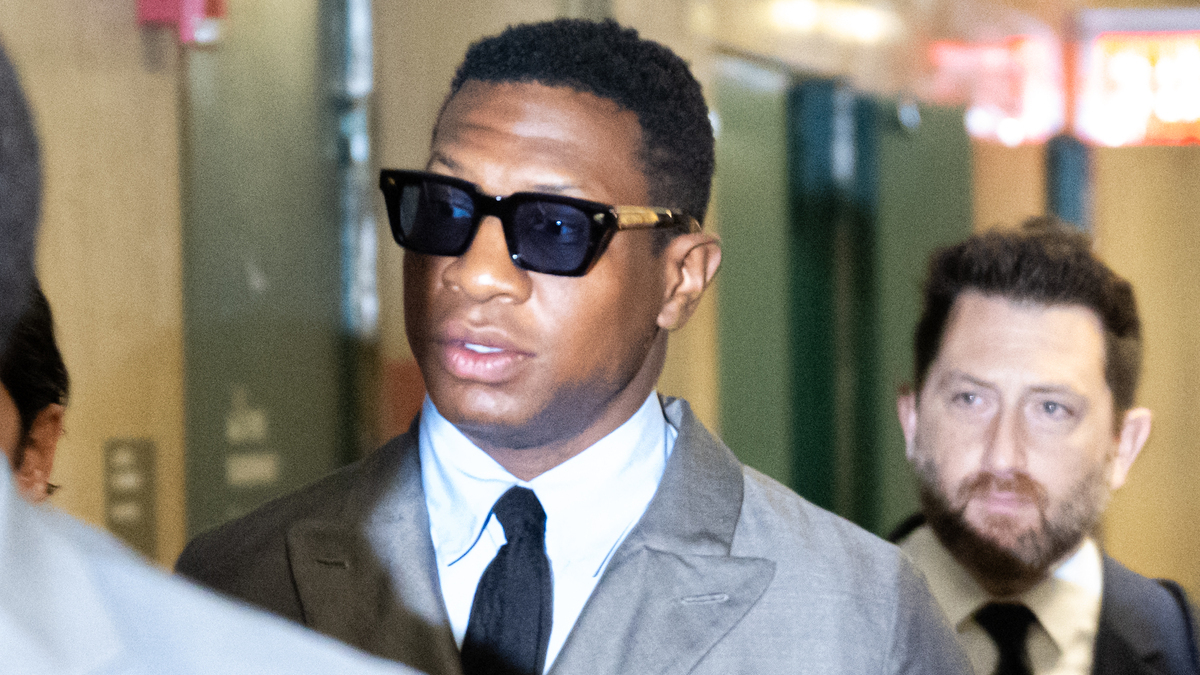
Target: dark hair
[
  {"x": 1044, "y": 261},
  {"x": 608, "y": 61},
  {"x": 20, "y": 195},
  {"x": 32, "y": 368}
]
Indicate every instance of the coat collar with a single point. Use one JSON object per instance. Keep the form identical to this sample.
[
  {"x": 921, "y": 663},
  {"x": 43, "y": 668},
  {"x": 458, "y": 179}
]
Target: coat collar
[{"x": 672, "y": 590}]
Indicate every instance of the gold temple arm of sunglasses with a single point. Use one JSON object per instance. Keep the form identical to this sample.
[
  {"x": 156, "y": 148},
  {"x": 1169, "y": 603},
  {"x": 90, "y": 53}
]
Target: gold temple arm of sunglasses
[{"x": 646, "y": 217}]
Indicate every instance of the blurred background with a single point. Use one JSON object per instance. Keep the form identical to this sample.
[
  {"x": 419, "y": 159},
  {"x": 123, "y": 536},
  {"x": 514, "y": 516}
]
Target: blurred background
[{"x": 228, "y": 297}]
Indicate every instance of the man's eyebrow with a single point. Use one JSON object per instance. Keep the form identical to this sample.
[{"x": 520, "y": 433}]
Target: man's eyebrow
[
  {"x": 439, "y": 158},
  {"x": 955, "y": 376},
  {"x": 958, "y": 376},
  {"x": 455, "y": 167},
  {"x": 1054, "y": 389},
  {"x": 553, "y": 189}
]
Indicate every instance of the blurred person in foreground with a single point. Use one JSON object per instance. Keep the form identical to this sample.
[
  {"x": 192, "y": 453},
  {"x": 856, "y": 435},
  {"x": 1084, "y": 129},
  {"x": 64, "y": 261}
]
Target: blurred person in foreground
[
  {"x": 34, "y": 391},
  {"x": 72, "y": 599},
  {"x": 1020, "y": 425},
  {"x": 549, "y": 511}
]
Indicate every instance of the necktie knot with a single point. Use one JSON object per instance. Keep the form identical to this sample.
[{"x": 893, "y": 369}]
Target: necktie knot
[
  {"x": 1008, "y": 625},
  {"x": 519, "y": 511}
]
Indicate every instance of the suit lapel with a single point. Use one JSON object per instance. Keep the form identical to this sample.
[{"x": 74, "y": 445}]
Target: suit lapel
[
  {"x": 344, "y": 567},
  {"x": 672, "y": 589}
]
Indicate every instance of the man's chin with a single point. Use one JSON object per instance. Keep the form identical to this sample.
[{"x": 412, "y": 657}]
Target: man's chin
[
  {"x": 496, "y": 420},
  {"x": 1006, "y": 552},
  {"x": 1003, "y": 553},
  {"x": 1005, "y": 531}
]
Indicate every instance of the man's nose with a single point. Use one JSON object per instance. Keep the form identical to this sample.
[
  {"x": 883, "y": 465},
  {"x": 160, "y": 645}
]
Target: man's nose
[
  {"x": 1005, "y": 451},
  {"x": 486, "y": 271}
]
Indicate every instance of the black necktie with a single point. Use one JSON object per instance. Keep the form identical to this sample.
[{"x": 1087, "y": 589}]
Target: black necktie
[
  {"x": 1008, "y": 624},
  {"x": 510, "y": 617}
]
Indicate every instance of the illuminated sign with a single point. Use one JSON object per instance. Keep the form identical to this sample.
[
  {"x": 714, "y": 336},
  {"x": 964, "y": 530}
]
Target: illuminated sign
[
  {"x": 1141, "y": 89},
  {"x": 1013, "y": 89}
]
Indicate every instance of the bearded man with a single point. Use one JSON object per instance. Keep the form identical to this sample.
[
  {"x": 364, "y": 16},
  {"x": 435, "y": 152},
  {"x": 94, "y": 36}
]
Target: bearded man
[{"x": 1020, "y": 425}]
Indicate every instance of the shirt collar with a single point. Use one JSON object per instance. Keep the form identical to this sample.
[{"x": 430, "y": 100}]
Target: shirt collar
[
  {"x": 1066, "y": 603},
  {"x": 583, "y": 497},
  {"x": 956, "y": 591}
]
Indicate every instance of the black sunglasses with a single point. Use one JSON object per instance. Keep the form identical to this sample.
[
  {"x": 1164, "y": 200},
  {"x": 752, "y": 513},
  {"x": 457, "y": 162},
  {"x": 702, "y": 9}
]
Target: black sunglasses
[{"x": 439, "y": 215}]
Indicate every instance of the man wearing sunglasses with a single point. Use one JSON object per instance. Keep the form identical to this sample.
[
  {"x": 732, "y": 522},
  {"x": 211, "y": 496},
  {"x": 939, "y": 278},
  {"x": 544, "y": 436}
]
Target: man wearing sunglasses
[{"x": 549, "y": 510}]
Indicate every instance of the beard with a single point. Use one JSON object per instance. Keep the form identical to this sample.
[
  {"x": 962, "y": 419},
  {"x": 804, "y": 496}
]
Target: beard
[{"x": 1006, "y": 555}]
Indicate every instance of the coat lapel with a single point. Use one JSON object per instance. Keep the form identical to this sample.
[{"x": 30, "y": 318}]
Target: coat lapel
[
  {"x": 369, "y": 577},
  {"x": 672, "y": 589}
]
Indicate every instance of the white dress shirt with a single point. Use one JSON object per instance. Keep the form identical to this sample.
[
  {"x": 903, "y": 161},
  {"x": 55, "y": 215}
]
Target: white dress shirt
[
  {"x": 1066, "y": 604},
  {"x": 591, "y": 502}
]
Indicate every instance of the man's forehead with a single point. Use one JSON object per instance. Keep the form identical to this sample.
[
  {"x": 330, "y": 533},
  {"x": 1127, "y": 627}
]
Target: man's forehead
[
  {"x": 524, "y": 136},
  {"x": 536, "y": 103},
  {"x": 1059, "y": 344},
  {"x": 533, "y": 111},
  {"x": 977, "y": 309}
]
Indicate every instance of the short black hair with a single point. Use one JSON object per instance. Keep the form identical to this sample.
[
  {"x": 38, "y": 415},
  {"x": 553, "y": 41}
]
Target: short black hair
[
  {"x": 1044, "y": 261},
  {"x": 31, "y": 367},
  {"x": 20, "y": 197},
  {"x": 608, "y": 61}
]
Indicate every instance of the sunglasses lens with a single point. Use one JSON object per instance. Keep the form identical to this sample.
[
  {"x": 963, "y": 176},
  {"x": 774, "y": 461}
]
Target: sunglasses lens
[
  {"x": 435, "y": 218},
  {"x": 553, "y": 238}
]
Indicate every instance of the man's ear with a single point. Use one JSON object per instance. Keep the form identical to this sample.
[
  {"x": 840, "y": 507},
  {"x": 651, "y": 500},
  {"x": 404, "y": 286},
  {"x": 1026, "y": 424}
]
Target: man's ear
[
  {"x": 1131, "y": 438},
  {"x": 691, "y": 261},
  {"x": 906, "y": 410},
  {"x": 38, "y": 458}
]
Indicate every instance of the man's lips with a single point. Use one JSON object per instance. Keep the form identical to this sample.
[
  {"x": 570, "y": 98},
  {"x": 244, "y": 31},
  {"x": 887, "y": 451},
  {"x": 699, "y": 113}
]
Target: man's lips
[
  {"x": 487, "y": 360},
  {"x": 1007, "y": 496},
  {"x": 1004, "y": 502}
]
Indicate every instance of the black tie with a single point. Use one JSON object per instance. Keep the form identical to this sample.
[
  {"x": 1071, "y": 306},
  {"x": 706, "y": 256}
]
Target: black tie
[
  {"x": 1008, "y": 624},
  {"x": 510, "y": 617}
]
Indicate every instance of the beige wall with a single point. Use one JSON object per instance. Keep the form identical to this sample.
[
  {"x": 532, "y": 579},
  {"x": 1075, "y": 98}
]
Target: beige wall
[
  {"x": 1148, "y": 228},
  {"x": 106, "y": 101},
  {"x": 1009, "y": 183}
]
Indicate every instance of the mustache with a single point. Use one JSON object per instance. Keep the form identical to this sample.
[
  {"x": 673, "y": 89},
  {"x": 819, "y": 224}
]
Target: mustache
[{"x": 1019, "y": 483}]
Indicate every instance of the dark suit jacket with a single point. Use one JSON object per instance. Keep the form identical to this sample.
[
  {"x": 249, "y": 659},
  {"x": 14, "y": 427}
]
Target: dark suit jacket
[
  {"x": 727, "y": 572},
  {"x": 1147, "y": 627}
]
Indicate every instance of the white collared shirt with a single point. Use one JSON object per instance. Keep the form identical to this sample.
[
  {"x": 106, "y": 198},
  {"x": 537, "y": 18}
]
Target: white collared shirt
[
  {"x": 1066, "y": 604},
  {"x": 591, "y": 502}
]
